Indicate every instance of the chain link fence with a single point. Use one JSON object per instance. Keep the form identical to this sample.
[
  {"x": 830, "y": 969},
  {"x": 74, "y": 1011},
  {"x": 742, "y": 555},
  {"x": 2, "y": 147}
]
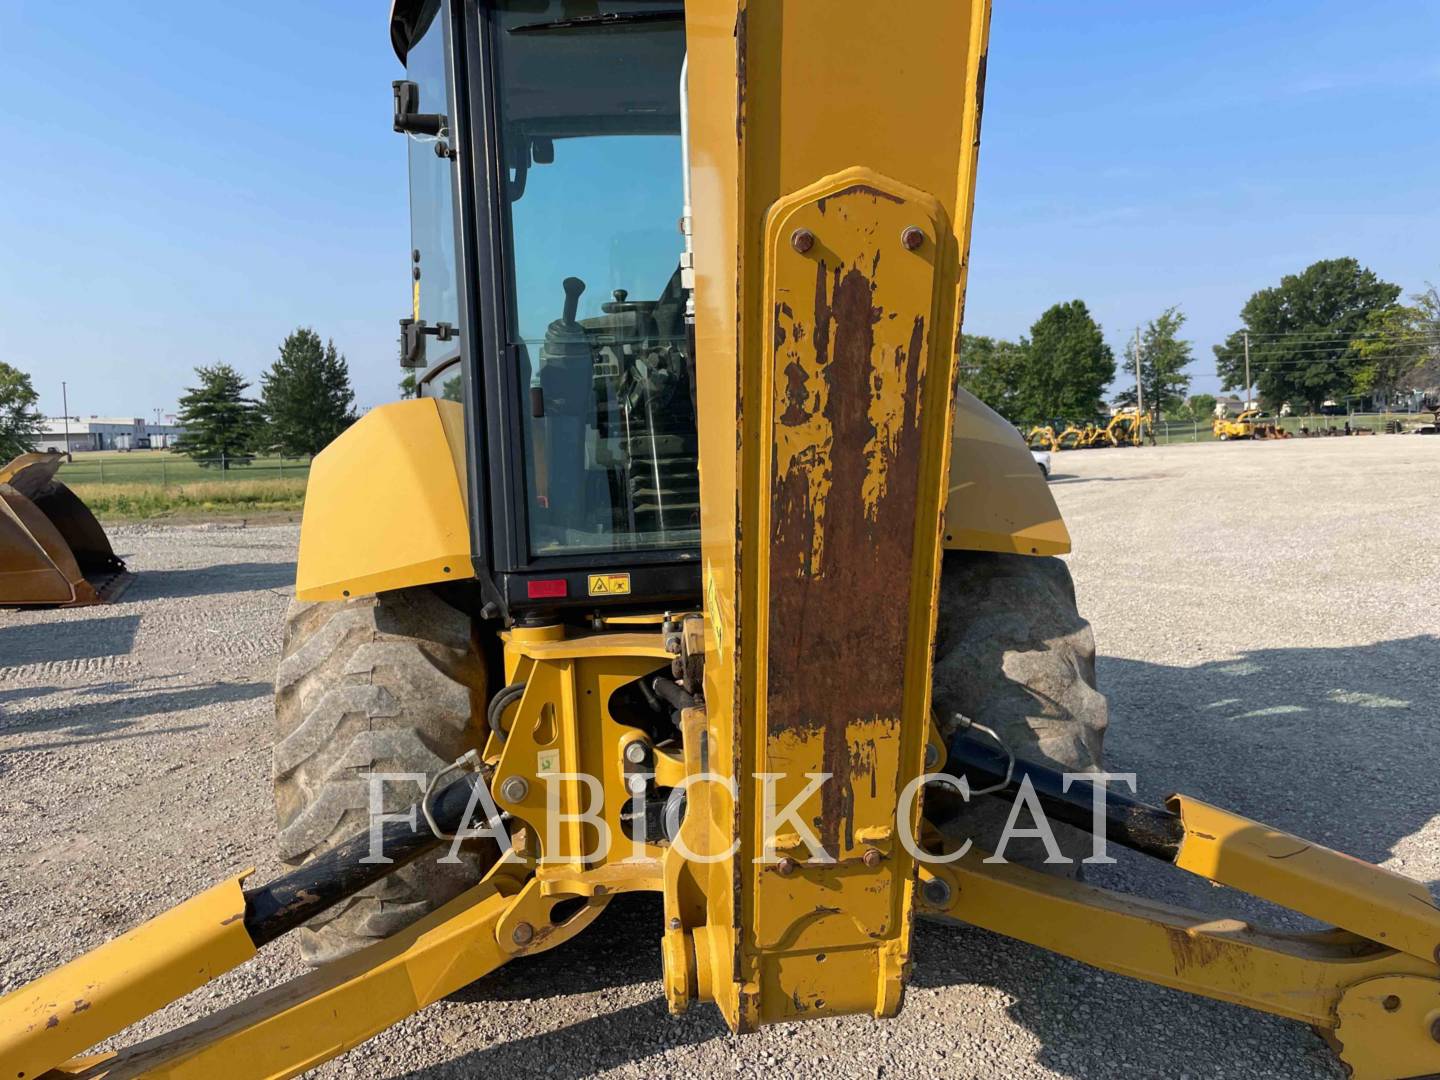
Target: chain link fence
[
  {"x": 1185, "y": 431},
  {"x": 166, "y": 469}
]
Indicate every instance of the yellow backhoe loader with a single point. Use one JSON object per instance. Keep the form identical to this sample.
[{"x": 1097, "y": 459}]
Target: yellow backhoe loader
[
  {"x": 52, "y": 550},
  {"x": 1129, "y": 428},
  {"x": 715, "y": 589},
  {"x": 1043, "y": 437}
]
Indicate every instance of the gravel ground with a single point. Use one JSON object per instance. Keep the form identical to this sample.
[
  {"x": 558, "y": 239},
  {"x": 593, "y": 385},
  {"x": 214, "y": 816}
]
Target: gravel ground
[{"x": 1267, "y": 621}]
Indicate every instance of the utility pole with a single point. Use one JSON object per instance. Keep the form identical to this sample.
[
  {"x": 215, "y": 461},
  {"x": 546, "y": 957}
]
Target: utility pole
[
  {"x": 1139, "y": 394},
  {"x": 65, "y": 405},
  {"x": 1248, "y": 397}
]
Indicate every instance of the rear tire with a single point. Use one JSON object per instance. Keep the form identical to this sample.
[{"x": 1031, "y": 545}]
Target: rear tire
[
  {"x": 380, "y": 684},
  {"x": 1013, "y": 653}
]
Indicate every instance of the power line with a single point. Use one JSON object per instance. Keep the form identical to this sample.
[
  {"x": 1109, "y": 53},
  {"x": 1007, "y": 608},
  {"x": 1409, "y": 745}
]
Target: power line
[
  {"x": 1322, "y": 360},
  {"x": 1318, "y": 335}
]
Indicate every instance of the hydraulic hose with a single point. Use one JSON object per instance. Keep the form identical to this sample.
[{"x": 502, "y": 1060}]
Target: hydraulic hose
[
  {"x": 282, "y": 905},
  {"x": 1131, "y": 823}
]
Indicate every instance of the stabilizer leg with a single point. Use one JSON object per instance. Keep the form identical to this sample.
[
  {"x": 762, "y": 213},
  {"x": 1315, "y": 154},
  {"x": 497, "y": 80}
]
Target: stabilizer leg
[
  {"x": 309, "y": 1020},
  {"x": 1371, "y": 985}
]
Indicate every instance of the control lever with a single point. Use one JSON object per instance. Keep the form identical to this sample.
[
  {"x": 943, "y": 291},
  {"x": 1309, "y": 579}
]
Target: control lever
[
  {"x": 564, "y": 372},
  {"x": 573, "y": 287}
]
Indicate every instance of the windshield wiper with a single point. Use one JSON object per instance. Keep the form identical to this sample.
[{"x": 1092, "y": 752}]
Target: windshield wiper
[{"x": 601, "y": 22}]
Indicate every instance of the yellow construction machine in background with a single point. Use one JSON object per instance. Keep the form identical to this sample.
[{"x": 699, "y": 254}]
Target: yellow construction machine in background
[
  {"x": 1043, "y": 437},
  {"x": 1250, "y": 424},
  {"x": 52, "y": 550},
  {"x": 1126, "y": 428},
  {"x": 1129, "y": 427}
]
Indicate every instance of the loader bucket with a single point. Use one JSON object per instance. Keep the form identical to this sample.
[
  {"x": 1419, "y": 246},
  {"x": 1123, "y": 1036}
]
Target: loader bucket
[{"x": 52, "y": 550}]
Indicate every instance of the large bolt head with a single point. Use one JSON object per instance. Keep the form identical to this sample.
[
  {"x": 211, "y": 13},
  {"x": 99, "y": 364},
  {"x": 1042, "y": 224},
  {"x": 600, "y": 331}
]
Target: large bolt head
[
  {"x": 524, "y": 934},
  {"x": 636, "y": 752},
  {"x": 802, "y": 240},
  {"x": 514, "y": 789}
]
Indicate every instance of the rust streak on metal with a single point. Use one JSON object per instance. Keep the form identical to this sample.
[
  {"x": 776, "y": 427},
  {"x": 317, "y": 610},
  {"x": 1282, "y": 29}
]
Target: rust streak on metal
[
  {"x": 1192, "y": 950},
  {"x": 837, "y": 651},
  {"x": 740, "y": 18},
  {"x": 858, "y": 189}
]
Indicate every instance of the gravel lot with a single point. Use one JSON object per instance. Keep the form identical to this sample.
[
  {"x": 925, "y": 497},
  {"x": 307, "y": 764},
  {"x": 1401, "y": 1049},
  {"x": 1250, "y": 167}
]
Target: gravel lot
[{"x": 1269, "y": 629}]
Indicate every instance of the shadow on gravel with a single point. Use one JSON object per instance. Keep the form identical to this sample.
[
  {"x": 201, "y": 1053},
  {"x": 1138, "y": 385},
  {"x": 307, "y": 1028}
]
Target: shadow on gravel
[
  {"x": 1335, "y": 745},
  {"x": 211, "y": 580},
  {"x": 71, "y": 639},
  {"x": 622, "y": 948},
  {"x": 56, "y": 744},
  {"x": 22, "y": 692},
  {"x": 1069, "y": 1008},
  {"x": 1098, "y": 479},
  {"x": 87, "y": 721},
  {"x": 588, "y": 962}
]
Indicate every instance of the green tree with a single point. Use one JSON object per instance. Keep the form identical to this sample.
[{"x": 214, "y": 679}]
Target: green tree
[
  {"x": 1197, "y": 407},
  {"x": 1426, "y": 374},
  {"x": 1390, "y": 346},
  {"x": 221, "y": 424},
  {"x": 20, "y": 422},
  {"x": 1301, "y": 332},
  {"x": 306, "y": 395},
  {"x": 1067, "y": 367},
  {"x": 1164, "y": 356},
  {"x": 990, "y": 369},
  {"x": 408, "y": 387}
]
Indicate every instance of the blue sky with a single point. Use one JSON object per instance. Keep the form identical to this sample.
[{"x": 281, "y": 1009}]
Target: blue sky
[{"x": 185, "y": 183}]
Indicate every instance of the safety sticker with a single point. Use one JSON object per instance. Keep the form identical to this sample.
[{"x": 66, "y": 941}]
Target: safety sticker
[{"x": 609, "y": 584}]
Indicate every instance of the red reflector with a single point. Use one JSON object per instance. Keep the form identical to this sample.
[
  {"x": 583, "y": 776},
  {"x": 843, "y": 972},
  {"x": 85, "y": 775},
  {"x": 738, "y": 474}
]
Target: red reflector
[{"x": 548, "y": 589}]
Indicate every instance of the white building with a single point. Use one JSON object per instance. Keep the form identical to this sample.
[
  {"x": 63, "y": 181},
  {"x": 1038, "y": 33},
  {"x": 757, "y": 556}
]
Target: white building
[{"x": 107, "y": 433}]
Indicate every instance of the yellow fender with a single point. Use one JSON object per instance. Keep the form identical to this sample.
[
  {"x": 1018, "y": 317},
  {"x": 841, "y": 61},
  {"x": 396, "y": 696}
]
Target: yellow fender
[
  {"x": 999, "y": 500},
  {"x": 385, "y": 508},
  {"x": 385, "y": 505}
]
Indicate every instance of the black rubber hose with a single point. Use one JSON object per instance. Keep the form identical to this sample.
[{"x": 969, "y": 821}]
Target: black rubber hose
[
  {"x": 498, "y": 704},
  {"x": 282, "y": 905},
  {"x": 674, "y": 694},
  {"x": 1131, "y": 823}
]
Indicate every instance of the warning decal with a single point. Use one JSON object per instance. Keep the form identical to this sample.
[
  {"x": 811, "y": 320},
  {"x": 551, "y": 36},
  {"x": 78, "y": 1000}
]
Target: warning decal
[{"x": 609, "y": 584}]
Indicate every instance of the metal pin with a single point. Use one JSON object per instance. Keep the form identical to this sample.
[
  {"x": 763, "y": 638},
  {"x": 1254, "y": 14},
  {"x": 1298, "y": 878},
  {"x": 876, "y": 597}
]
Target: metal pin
[
  {"x": 937, "y": 892},
  {"x": 802, "y": 240},
  {"x": 912, "y": 238}
]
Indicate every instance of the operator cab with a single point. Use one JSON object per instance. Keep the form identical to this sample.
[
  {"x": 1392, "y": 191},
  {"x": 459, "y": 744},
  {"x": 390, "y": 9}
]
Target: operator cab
[{"x": 550, "y": 288}]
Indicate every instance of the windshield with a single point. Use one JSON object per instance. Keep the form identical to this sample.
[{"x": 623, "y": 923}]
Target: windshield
[{"x": 590, "y": 144}]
